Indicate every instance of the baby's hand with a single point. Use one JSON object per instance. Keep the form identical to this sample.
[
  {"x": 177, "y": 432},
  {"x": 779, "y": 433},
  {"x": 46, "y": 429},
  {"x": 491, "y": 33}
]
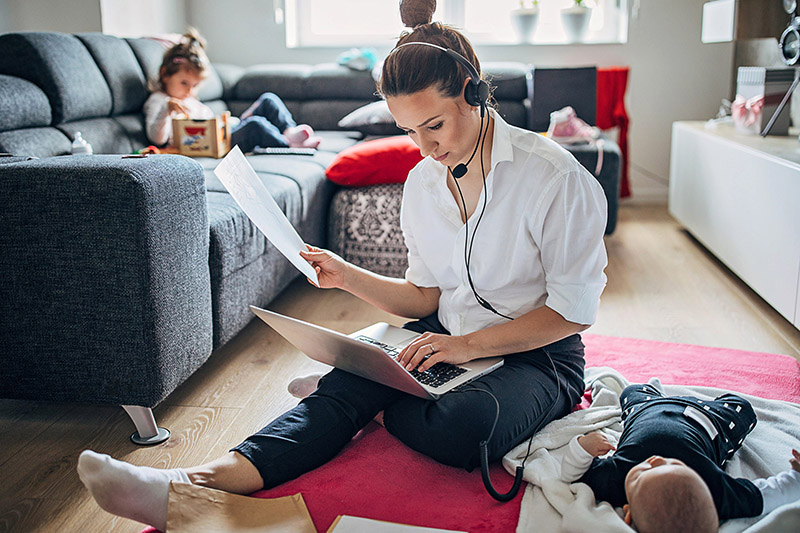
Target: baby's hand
[
  {"x": 595, "y": 444},
  {"x": 795, "y": 460},
  {"x": 175, "y": 106}
]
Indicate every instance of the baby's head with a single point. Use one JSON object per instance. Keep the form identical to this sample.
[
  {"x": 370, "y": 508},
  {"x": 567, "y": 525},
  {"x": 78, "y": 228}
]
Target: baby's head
[
  {"x": 666, "y": 495},
  {"x": 184, "y": 66}
]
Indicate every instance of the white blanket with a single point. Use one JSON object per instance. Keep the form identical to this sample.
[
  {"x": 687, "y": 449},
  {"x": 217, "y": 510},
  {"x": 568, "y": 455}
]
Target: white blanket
[{"x": 551, "y": 505}]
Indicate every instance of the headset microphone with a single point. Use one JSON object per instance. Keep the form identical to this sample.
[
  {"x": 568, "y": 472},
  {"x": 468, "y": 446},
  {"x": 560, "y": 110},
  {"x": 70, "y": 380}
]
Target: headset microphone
[{"x": 461, "y": 169}]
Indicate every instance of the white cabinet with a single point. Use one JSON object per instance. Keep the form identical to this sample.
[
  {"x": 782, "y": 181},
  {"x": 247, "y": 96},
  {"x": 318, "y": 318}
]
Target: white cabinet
[{"x": 740, "y": 196}]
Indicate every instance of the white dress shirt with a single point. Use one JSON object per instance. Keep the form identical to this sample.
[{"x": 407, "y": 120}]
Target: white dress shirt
[{"x": 540, "y": 241}]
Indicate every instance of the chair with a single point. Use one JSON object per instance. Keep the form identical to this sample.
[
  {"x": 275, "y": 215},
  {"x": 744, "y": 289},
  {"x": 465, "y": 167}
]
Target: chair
[{"x": 554, "y": 88}]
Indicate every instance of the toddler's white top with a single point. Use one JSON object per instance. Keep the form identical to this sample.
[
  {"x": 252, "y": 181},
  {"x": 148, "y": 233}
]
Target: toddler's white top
[{"x": 540, "y": 241}]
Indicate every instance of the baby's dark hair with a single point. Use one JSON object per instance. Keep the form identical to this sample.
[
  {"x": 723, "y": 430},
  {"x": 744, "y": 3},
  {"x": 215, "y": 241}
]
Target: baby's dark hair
[
  {"x": 189, "y": 53},
  {"x": 411, "y": 69},
  {"x": 676, "y": 502}
]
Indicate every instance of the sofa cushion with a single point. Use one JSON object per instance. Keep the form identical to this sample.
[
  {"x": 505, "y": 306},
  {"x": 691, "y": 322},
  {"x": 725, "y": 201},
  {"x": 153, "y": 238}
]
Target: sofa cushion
[
  {"x": 36, "y": 142},
  {"x": 121, "y": 70},
  {"x": 149, "y": 53},
  {"x": 329, "y": 81},
  {"x": 22, "y": 104},
  {"x": 64, "y": 69},
  {"x": 386, "y": 160},
  {"x": 287, "y": 81},
  {"x": 371, "y": 119},
  {"x": 106, "y": 135}
]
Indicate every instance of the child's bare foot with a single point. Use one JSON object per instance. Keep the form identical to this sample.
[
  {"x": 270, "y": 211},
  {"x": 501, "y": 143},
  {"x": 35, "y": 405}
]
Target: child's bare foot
[
  {"x": 311, "y": 142},
  {"x": 301, "y": 136}
]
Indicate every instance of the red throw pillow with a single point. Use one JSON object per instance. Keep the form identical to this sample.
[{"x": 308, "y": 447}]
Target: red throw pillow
[{"x": 385, "y": 160}]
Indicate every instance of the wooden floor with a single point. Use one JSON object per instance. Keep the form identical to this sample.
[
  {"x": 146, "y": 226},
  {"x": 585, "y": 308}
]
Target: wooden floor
[{"x": 662, "y": 285}]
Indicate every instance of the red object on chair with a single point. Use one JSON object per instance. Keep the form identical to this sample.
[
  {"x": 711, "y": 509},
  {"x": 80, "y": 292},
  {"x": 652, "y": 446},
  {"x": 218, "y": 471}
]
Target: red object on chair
[{"x": 612, "y": 82}]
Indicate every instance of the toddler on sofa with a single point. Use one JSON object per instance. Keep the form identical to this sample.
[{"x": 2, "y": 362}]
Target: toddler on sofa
[
  {"x": 667, "y": 472},
  {"x": 266, "y": 123}
]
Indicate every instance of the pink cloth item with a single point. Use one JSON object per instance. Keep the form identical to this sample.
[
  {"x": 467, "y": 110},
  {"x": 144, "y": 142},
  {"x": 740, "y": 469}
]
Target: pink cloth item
[
  {"x": 747, "y": 112},
  {"x": 566, "y": 128}
]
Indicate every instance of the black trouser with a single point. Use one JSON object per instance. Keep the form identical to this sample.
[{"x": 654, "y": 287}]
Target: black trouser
[{"x": 449, "y": 429}]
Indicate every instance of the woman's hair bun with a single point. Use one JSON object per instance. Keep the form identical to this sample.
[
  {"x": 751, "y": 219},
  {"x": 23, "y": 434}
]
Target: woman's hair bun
[{"x": 414, "y": 13}]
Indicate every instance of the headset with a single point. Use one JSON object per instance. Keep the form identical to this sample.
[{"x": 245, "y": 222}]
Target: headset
[{"x": 476, "y": 94}]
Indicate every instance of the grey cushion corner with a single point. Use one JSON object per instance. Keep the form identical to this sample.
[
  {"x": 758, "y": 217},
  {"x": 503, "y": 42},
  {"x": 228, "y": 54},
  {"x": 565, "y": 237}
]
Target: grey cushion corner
[{"x": 22, "y": 104}]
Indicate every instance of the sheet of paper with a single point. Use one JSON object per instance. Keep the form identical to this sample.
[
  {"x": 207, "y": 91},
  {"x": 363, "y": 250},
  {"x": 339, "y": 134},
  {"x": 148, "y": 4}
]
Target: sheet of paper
[
  {"x": 241, "y": 180},
  {"x": 354, "y": 524}
]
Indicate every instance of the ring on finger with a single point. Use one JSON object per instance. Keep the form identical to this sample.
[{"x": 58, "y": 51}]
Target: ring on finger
[{"x": 433, "y": 350}]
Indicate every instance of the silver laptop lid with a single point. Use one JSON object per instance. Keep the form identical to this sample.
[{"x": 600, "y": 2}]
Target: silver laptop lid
[{"x": 346, "y": 353}]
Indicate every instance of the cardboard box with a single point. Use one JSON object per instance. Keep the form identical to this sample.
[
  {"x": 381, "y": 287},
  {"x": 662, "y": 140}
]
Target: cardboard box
[{"x": 206, "y": 138}]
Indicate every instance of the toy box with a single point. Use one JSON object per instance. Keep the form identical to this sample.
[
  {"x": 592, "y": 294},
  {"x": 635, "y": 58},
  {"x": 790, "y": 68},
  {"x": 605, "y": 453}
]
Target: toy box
[{"x": 207, "y": 138}]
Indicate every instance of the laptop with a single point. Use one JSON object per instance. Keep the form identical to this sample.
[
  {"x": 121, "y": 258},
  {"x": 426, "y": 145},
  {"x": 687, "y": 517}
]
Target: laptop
[{"x": 370, "y": 353}]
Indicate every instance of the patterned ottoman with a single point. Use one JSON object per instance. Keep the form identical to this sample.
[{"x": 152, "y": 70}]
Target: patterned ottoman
[{"x": 364, "y": 228}]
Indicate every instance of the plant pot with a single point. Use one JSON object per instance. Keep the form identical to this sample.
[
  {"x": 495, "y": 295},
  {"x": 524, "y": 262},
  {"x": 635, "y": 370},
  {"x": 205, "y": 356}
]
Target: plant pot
[
  {"x": 575, "y": 20},
  {"x": 524, "y": 21}
]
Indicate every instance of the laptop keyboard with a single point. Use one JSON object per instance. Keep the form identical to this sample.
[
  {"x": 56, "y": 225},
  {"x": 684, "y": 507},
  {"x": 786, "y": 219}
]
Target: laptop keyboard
[{"x": 435, "y": 376}]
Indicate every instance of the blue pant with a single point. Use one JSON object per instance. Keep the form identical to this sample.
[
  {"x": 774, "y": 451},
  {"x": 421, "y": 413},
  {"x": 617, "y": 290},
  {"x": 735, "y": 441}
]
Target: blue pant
[
  {"x": 265, "y": 126},
  {"x": 449, "y": 430}
]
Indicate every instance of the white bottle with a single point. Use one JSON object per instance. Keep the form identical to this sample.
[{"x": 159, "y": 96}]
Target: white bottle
[{"x": 79, "y": 145}]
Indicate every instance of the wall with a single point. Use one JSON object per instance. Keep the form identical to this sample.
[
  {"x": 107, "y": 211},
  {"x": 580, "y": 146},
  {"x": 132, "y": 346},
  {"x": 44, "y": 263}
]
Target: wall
[
  {"x": 124, "y": 18},
  {"x": 39, "y": 15},
  {"x": 673, "y": 76}
]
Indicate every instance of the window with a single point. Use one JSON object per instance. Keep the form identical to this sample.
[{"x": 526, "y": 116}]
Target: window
[{"x": 485, "y": 22}]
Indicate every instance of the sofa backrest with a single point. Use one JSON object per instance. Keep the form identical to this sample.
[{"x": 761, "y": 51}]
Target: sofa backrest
[{"x": 320, "y": 95}]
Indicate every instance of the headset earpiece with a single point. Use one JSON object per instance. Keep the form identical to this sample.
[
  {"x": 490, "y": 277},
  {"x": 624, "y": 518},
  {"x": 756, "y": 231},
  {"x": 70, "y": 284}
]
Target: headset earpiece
[{"x": 477, "y": 94}]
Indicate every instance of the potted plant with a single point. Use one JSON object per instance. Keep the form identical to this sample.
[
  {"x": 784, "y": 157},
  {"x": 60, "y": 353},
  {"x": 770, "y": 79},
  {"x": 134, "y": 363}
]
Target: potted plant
[
  {"x": 524, "y": 19},
  {"x": 575, "y": 20}
]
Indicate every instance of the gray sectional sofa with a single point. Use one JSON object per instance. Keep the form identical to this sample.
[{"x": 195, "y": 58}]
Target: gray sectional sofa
[{"x": 121, "y": 275}]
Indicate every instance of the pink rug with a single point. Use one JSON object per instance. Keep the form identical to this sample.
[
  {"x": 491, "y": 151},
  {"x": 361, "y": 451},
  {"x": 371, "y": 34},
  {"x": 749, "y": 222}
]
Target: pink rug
[{"x": 377, "y": 477}]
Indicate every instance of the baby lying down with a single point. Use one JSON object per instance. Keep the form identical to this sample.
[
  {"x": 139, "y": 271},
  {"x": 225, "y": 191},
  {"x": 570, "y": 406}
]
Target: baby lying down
[{"x": 666, "y": 471}]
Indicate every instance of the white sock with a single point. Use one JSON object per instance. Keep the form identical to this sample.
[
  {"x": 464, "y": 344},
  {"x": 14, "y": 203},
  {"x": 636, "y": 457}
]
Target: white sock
[
  {"x": 140, "y": 493},
  {"x": 302, "y": 387},
  {"x": 779, "y": 489}
]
